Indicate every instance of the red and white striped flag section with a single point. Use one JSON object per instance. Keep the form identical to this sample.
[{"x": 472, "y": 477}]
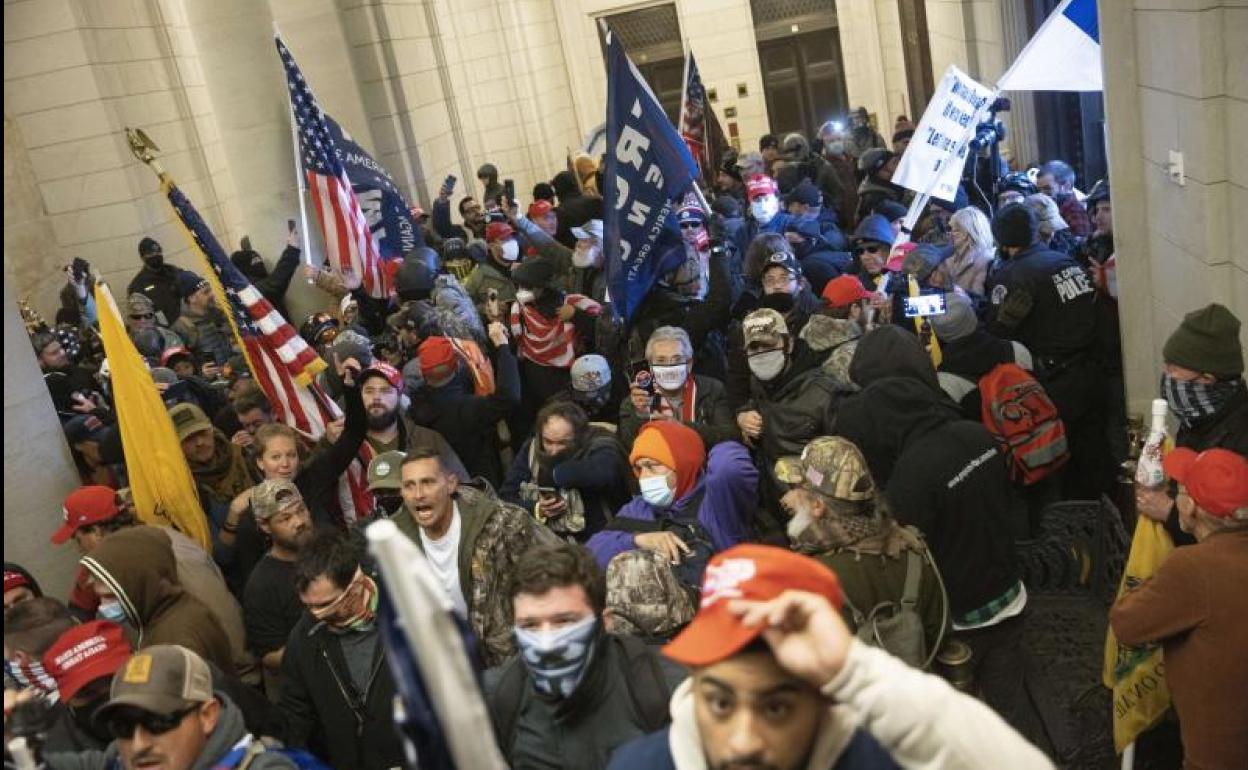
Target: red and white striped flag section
[
  {"x": 283, "y": 364},
  {"x": 349, "y": 243},
  {"x": 698, "y": 125}
]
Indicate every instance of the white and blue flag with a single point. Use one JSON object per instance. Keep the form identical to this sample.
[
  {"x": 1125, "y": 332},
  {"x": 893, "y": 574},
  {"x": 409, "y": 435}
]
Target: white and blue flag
[{"x": 1064, "y": 54}]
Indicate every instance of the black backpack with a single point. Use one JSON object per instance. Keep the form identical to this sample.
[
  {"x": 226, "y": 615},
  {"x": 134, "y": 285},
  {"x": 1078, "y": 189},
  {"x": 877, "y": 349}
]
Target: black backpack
[{"x": 647, "y": 689}]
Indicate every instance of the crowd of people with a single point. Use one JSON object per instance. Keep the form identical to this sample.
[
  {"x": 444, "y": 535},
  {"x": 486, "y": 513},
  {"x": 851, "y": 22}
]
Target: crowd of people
[{"x": 735, "y": 532}]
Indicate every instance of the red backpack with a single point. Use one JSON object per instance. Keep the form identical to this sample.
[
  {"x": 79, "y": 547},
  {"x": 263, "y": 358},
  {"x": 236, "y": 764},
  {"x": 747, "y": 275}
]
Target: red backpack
[{"x": 1022, "y": 418}]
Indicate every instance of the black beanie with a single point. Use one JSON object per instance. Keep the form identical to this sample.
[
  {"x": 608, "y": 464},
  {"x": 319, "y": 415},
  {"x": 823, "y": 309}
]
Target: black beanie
[
  {"x": 147, "y": 246},
  {"x": 1015, "y": 225},
  {"x": 1207, "y": 342}
]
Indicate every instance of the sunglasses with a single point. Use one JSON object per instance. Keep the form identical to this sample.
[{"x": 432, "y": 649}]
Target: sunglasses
[
  {"x": 867, "y": 250},
  {"x": 122, "y": 724},
  {"x": 142, "y": 316},
  {"x": 690, "y": 225}
]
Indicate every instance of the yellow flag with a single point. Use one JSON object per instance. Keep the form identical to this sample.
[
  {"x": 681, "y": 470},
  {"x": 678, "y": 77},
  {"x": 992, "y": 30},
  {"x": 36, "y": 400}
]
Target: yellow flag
[
  {"x": 160, "y": 480},
  {"x": 1137, "y": 675}
]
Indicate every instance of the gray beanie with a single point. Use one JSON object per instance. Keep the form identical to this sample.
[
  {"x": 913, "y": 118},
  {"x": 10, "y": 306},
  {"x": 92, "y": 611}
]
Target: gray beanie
[{"x": 958, "y": 320}]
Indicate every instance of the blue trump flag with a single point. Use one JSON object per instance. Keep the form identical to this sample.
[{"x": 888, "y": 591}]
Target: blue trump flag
[
  {"x": 388, "y": 214},
  {"x": 648, "y": 166}
]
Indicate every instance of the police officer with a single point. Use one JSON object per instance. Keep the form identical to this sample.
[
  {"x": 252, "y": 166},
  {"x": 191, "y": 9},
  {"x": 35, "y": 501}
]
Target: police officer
[{"x": 1046, "y": 300}]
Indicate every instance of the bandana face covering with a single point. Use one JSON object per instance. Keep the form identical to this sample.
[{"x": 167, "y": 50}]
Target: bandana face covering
[
  {"x": 1192, "y": 400},
  {"x": 354, "y": 609},
  {"x": 557, "y": 659}
]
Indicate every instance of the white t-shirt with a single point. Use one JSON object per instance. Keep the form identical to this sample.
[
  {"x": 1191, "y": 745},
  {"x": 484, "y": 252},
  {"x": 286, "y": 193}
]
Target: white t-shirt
[{"x": 443, "y": 556}]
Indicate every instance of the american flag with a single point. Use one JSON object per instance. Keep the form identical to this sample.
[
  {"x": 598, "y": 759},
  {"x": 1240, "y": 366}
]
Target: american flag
[
  {"x": 348, "y": 239},
  {"x": 282, "y": 362},
  {"x": 698, "y": 124}
]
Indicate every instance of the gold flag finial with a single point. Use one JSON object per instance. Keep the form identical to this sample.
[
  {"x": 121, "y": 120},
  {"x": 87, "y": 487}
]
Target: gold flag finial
[{"x": 141, "y": 145}]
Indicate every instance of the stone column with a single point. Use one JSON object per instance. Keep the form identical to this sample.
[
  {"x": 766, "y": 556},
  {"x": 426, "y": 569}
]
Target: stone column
[{"x": 38, "y": 469}]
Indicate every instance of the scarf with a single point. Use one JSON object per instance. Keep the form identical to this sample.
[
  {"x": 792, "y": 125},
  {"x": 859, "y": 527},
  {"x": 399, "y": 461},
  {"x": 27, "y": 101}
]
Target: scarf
[
  {"x": 688, "y": 400},
  {"x": 1193, "y": 401},
  {"x": 30, "y": 674},
  {"x": 227, "y": 473},
  {"x": 549, "y": 340},
  {"x": 354, "y": 609}
]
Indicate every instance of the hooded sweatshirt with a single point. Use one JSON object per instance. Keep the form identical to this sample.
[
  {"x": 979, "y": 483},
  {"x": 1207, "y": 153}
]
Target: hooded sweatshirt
[
  {"x": 942, "y": 474},
  {"x": 138, "y": 566},
  {"x": 229, "y": 733},
  {"x": 891, "y": 351},
  {"x": 882, "y": 715}
]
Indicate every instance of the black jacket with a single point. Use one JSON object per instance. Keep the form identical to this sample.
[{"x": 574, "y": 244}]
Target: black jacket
[
  {"x": 273, "y": 286},
  {"x": 712, "y": 417},
  {"x": 468, "y": 421},
  {"x": 703, "y": 321},
  {"x": 942, "y": 474},
  {"x": 805, "y": 304},
  {"x": 321, "y": 709},
  {"x": 798, "y": 406},
  {"x": 1045, "y": 300},
  {"x": 599, "y": 471},
  {"x": 970, "y": 358},
  {"x": 623, "y": 680},
  {"x": 161, "y": 287}
]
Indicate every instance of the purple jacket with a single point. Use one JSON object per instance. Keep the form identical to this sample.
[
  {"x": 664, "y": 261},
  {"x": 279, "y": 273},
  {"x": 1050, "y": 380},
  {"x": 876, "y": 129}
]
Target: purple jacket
[{"x": 731, "y": 484}]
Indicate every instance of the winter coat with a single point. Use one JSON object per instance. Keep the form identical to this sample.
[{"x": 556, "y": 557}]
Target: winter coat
[
  {"x": 712, "y": 417},
  {"x": 137, "y": 565},
  {"x": 229, "y": 733},
  {"x": 208, "y": 335},
  {"x": 598, "y": 471},
  {"x": 835, "y": 340},
  {"x": 703, "y": 321},
  {"x": 944, "y": 475},
  {"x": 161, "y": 287},
  {"x": 489, "y": 275},
  {"x": 582, "y": 730},
  {"x": 470, "y": 422},
  {"x": 883, "y": 715},
  {"x": 322, "y": 710},
  {"x": 493, "y": 536},
  {"x": 839, "y": 184},
  {"x": 273, "y": 286},
  {"x": 805, "y": 305},
  {"x": 798, "y": 406},
  {"x": 728, "y": 491}
]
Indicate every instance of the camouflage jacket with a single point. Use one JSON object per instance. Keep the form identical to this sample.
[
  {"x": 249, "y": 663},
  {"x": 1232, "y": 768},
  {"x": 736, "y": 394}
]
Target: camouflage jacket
[
  {"x": 835, "y": 340},
  {"x": 494, "y": 534}
]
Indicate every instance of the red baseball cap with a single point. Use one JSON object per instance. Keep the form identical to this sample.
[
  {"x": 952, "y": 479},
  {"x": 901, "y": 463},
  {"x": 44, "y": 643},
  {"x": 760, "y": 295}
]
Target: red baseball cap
[
  {"x": 760, "y": 184},
  {"x": 85, "y": 653},
  {"x": 384, "y": 370},
  {"x": 14, "y": 579},
  {"x": 437, "y": 358},
  {"x": 897, "y": 256},
  {"x": 85, "y": 506},
  {"x": 496, "y": 231},
  {"x": 176, "y": 350},
  {"x": 1217, "y": 479},
  {"x": 844, "y": 290},
  {"x": 747, "y": 571},
  {"x": 540, "y": 208}
]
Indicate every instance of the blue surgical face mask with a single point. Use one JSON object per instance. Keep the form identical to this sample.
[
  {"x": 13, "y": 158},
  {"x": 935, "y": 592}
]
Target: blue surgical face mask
[
  {"x": 557, "y": 659},
  {"x": 111, "y": 609},
  {"x": 654, "y": 490}
]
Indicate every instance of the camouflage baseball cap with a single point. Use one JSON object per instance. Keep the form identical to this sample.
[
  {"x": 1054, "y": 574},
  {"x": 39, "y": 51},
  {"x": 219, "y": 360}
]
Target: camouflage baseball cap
[
  {"x": 765, "y": 326},
  {"x": 383, "y": 471},
  {"x": 273, "y": 496},
  {"x": 645, "y": 597},
  {"x": 832, "y": 466}
]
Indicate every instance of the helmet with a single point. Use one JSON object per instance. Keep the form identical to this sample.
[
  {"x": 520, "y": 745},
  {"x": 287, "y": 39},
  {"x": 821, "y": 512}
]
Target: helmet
[
  {"x": 874, "y": 159},
  {"x": 319, "y": 329},
  {"x": 1019, "y": 182}
]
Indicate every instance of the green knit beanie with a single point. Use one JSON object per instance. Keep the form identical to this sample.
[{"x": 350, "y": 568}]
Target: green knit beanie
[{"x": 1207, "y": 342}]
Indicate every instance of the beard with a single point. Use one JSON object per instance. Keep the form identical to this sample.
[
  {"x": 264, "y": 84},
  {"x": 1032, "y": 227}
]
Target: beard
[
  {"x": 801, "y": 521},
  {"x": 382, "y": 420},
  {"x": 295, "y": 542}
]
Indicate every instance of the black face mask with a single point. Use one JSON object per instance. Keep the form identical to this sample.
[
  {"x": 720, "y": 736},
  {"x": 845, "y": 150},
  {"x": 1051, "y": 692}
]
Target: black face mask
[
  {"x": 781, "y": 302},
  {"x": 154, "y": 261},
  {"x": 82, "y": 718}
]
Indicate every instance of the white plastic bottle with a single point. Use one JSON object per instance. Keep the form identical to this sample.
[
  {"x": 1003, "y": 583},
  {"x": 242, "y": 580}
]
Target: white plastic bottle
[{"x": 1148, "y": 470}]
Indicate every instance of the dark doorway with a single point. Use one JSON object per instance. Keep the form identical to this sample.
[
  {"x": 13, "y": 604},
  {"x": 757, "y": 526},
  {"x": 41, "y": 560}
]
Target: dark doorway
[
  {"x": 666, "y": 79},
  {"x": 803, "y": 80}
]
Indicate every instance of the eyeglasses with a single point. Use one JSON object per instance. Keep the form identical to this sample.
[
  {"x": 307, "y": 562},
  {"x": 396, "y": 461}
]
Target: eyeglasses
[
  {"x": 142, "y": 316},
  {"x": 690, "y": 225},
  {"x": 867, "y": 249},
  {"x": 122, "y": 724}
]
